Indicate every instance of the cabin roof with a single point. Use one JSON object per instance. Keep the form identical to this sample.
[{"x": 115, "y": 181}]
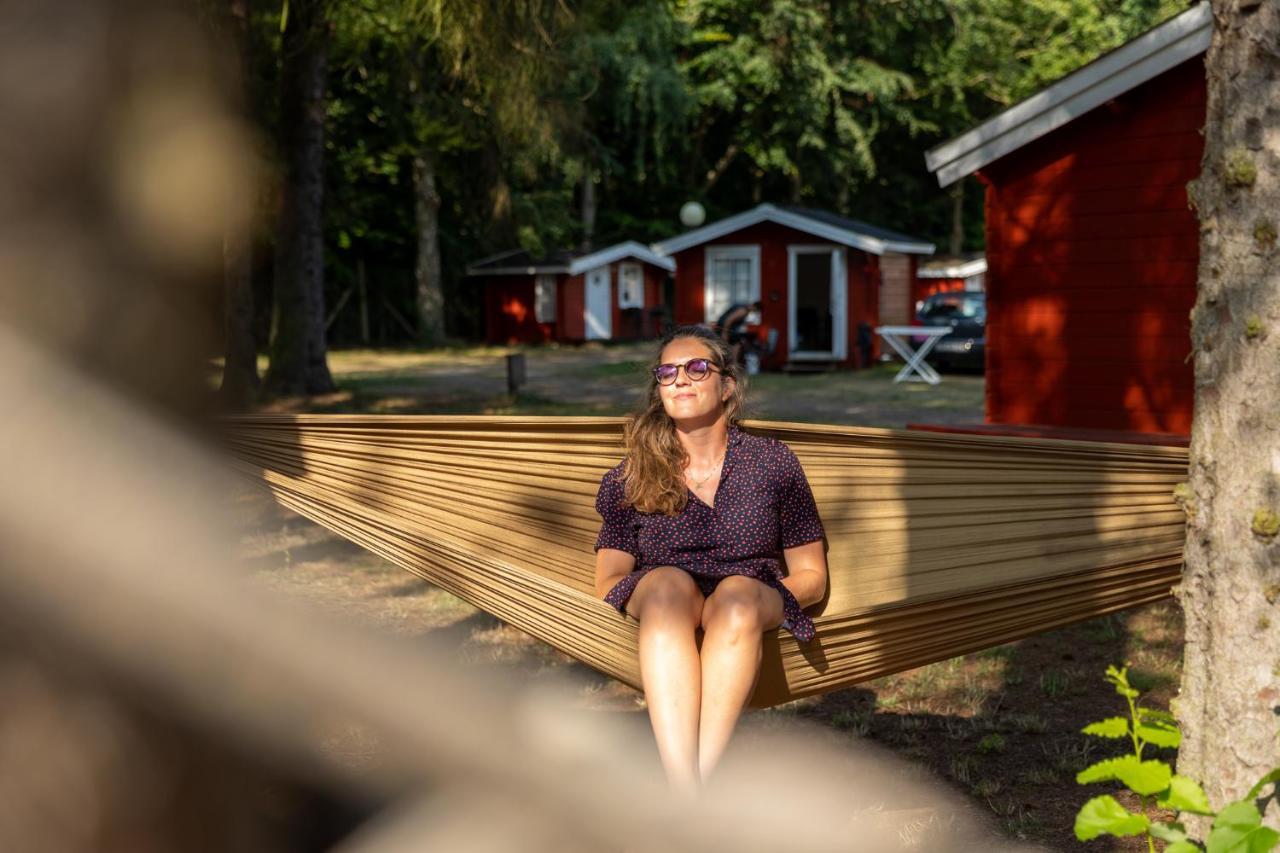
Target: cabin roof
[
  {"x": 1160, "y": 48},
  {"x": 819, "y": 223}
]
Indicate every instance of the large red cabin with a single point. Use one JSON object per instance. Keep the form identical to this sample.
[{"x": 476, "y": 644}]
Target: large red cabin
[
  {"x": 1092, "y": 249},
  {"x": 817, "y": 275}
]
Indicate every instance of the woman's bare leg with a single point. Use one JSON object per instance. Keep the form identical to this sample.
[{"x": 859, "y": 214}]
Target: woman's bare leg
[
  {"x": 734, "y": 620},
  {"x": 668, "y": 604}
]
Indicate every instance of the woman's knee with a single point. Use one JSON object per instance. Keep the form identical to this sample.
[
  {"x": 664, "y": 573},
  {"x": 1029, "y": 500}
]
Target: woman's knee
[
  {"x": 738, "y": 605},
  {"x": 667, "y": 591}
]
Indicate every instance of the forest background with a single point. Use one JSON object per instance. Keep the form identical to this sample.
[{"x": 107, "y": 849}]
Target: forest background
[{"x": 405, "y": 139}]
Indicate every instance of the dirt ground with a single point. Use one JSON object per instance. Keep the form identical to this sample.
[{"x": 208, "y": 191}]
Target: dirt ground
[{"x": 1001, "y": 727}]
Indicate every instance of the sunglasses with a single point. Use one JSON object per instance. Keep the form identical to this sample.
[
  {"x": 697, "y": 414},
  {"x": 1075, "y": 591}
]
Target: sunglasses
[{"x": 696, "y": 369}]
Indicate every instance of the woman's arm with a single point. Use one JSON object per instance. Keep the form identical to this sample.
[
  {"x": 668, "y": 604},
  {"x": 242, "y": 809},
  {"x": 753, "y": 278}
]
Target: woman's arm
[
  {"x": 611, "y": 566},
  {"x": 806, "y": 572}
]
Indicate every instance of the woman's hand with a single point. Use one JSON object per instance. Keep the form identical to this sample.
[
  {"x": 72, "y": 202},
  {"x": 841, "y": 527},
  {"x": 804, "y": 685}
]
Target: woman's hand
[
  {"x": 806, "y": 572},
  {"x": 612, "y": 566}
]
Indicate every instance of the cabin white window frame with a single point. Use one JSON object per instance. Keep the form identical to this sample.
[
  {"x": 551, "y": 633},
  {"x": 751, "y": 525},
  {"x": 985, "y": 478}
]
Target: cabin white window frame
[
  {"x": 713, "y": 254},
  {"x": 630, "y": 293}
]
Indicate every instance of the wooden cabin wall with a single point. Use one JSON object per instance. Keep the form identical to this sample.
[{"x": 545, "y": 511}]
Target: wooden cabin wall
[
  {"x": 1092, "y": 254},
  {"x": 509, "y": 311}
]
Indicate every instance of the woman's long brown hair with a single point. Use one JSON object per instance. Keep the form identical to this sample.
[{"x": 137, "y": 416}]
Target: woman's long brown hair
[{"x": 654, "y": 469}]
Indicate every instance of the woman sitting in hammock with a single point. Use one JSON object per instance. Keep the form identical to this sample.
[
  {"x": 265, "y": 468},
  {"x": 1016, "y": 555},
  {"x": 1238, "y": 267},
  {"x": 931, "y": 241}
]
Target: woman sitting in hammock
[{"x": 697, "y": 519}]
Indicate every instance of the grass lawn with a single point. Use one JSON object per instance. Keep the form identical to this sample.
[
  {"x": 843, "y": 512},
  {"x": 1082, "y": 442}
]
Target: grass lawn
[
  {"x": 608, "y": 380},
  {"x": 1001, "y": 726}
]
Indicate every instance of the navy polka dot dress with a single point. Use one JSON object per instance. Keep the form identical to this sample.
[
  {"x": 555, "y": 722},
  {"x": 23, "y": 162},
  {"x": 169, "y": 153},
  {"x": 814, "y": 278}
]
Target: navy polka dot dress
[{"x": 762, "y": 505}]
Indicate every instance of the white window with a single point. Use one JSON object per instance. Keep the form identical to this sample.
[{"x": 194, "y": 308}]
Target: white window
[
  {"x": 630, "y": 286},
  {"x": 544, "y": 302},
  {"x": 732, "y": 278}
]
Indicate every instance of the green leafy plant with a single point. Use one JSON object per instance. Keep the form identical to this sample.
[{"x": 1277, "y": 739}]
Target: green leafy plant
[{"x": 1237, "y": 827}]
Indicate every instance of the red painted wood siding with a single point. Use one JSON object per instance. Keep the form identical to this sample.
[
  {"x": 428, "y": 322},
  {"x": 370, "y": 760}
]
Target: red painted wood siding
[
  {"x": 509, "y": 311},
  {"x": 1092, "y": 254},
  {"x": 862, "y": 275},
  {"x": 654, "y": 278},
  {"x": 864, "y": 278},
  {"x": 573, "y": 305}
]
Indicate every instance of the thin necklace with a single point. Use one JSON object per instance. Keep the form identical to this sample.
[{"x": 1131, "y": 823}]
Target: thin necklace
[{"x": 712, "y": 474}]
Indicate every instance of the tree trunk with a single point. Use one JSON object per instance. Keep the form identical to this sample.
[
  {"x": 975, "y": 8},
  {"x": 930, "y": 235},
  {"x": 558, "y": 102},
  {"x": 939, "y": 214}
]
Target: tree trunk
[
  {"x": 240, "y": 366},
  {"x": 1230, "y": 699},
  {"x": 588, "y": 208},
  {"x": 363, "y": 285},
  {"x": 298, "y": 350},
  {"x": 957, "y": 217},
  {"x": 427, "y": 275}
]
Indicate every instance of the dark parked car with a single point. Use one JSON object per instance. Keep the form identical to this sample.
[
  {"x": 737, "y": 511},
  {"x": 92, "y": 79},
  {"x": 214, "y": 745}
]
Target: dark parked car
[{"x": 966, "y": 313}]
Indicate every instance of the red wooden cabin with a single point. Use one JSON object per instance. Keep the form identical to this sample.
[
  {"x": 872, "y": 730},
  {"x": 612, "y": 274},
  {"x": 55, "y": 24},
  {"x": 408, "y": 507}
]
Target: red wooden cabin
[
  {"x": 1092, "y": 249},
  {"x": 817, "y": 276},
  {"x": 610, "y": 294}
]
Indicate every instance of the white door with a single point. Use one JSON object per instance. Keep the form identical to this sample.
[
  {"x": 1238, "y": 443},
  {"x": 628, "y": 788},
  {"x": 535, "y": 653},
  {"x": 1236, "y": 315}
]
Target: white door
[
  {"x": 816, "y": 303},
  {"x": 839, "y": 305},
  {"x": 599, "y": 305}
]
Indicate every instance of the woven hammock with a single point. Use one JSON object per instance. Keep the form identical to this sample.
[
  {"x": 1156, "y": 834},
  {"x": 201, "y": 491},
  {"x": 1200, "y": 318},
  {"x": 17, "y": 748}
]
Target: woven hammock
[{"x": 939, "y": 544}]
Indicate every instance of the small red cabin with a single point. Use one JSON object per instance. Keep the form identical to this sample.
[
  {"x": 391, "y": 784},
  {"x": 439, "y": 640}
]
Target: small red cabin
[
  {"x": 611, "y": 294},
  {"x": 817, "y": 276},
  {"x": 1092, "y": 249}
]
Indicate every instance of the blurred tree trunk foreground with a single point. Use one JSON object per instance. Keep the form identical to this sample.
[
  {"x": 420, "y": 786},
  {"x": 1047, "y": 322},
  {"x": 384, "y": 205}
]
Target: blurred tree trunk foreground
[{"x": 240, "y": 383}]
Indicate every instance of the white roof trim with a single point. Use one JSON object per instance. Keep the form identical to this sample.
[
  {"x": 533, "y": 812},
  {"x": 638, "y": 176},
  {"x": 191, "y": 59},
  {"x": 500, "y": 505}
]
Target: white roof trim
[
  {"x": 1176, "y": 40},
  {"x": 491, "y": 258},
  {"x": 629, "y": 249},
  {"x": 769, "y": 213},
  {"x": 472, "y": 271},
  {"x": 978, "y": 266}
]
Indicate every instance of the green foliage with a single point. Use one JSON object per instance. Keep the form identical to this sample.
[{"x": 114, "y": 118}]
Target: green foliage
[
  {"x": 1239, "y": 827},
  {"x": 1112, "y": 727},
  {"x": 1236, "y": 829},
  {"x": 993, "y": 742},
  {"x": 520, "y": 104},
  {"x": 798, "y": 90},
  {"x": 1105, "y": 816},
  {"x": 1141, "y": 777},
  {"x": 1185, "y": 795}
]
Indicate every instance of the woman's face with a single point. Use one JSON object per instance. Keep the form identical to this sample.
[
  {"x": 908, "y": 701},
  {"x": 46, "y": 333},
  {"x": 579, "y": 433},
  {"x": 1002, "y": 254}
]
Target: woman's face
[{"x": 689, "y": 401}]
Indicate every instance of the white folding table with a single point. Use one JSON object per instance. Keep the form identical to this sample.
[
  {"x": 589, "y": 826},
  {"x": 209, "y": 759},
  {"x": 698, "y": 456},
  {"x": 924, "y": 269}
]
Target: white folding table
[{"x": 898, "y": 337}]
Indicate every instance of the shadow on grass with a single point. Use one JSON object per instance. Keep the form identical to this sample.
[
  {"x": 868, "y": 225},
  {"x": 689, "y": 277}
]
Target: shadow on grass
[
  {"x": 359, "y": 401},
  {"x": 1003, "y": 724},
  {"x": 330, "y": 549},
  {"x": 486, "y": 640}
]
